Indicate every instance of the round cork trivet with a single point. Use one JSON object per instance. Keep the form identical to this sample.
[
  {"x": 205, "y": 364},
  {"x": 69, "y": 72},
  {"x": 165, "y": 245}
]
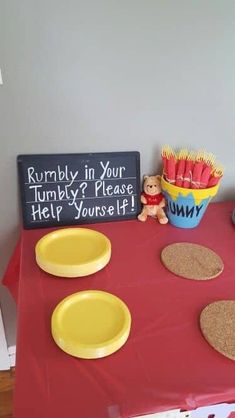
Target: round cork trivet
[
  {"x": 217, "y": 322},
  {"x": 192, "y": 261}
]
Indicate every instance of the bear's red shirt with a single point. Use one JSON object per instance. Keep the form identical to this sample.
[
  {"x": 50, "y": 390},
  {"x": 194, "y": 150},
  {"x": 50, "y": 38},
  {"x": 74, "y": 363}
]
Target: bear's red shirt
[{"x": 153, "y": 199}]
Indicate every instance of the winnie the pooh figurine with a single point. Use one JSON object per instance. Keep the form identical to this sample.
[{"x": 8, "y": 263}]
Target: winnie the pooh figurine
[{"x": 153, "y": 200}]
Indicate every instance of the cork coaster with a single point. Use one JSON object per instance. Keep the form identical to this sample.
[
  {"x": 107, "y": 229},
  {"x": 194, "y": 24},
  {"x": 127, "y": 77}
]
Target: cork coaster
[
  {"x": 217, "y": 322},
  {"x": 192, "y": 261}
]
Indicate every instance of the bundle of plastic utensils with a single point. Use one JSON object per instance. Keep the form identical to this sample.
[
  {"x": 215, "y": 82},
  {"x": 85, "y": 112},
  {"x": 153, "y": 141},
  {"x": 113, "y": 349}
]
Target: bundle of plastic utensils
[{"x": 190, "y": 169}]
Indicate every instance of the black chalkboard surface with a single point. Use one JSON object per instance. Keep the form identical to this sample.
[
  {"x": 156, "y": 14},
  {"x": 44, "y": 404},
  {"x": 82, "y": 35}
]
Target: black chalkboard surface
[{"x": 67, "y": 189}]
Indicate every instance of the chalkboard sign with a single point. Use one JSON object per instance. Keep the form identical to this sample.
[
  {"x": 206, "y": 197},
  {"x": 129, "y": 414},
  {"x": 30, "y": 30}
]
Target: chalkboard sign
[{"x": 66, "y": 189}]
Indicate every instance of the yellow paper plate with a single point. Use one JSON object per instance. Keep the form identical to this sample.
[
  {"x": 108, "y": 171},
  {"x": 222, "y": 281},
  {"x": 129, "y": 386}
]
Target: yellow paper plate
[
  {"x": 73, "y": 252},
  {"x": 91, "y": 324}
]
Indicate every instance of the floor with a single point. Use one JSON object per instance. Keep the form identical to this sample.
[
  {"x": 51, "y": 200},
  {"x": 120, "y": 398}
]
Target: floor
[{"x": 6, "y": 392}]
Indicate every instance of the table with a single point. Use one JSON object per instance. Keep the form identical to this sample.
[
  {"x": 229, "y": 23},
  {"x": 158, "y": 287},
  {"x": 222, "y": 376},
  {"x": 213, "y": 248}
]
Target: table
[{"x": 165, "y": 364}]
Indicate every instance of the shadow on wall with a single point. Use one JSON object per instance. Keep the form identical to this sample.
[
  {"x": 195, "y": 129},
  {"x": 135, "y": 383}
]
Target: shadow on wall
[
  {"x": 8, "y": 243},
  {"x": 7, "y": 303},
  {"x": 8, "y": 308},
  {"x": 228, "y": 194}
]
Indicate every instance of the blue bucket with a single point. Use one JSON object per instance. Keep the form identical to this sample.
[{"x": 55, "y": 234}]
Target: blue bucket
[{"x": 186, "y": 207}]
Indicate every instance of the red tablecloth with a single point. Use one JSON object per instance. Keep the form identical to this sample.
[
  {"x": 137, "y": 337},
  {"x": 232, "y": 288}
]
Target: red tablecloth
[{"x": 165, "y": 364}]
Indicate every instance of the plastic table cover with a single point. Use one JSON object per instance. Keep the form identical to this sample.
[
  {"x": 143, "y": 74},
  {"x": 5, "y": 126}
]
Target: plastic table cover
[{"x": 165, "y": 364}]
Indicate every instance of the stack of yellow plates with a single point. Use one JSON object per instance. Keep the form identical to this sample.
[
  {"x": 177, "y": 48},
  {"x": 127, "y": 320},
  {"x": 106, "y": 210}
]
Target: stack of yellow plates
[
  {"x": 73, "y": 252},
  {"x": 91, "y": 324}
]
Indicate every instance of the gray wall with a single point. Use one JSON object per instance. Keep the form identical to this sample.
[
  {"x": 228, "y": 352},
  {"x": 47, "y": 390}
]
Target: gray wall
[{"x": 109, "y": 75}]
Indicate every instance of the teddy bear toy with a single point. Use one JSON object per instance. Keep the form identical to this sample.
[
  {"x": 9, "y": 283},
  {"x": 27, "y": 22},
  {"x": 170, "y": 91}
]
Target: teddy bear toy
[{"x": 153, "y": 200}]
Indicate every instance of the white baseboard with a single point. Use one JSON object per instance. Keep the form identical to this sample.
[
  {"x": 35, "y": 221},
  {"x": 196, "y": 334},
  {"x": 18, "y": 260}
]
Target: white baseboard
[
  {"x": 4, "y": 355},
  {"x": 12, "y": 360}
]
